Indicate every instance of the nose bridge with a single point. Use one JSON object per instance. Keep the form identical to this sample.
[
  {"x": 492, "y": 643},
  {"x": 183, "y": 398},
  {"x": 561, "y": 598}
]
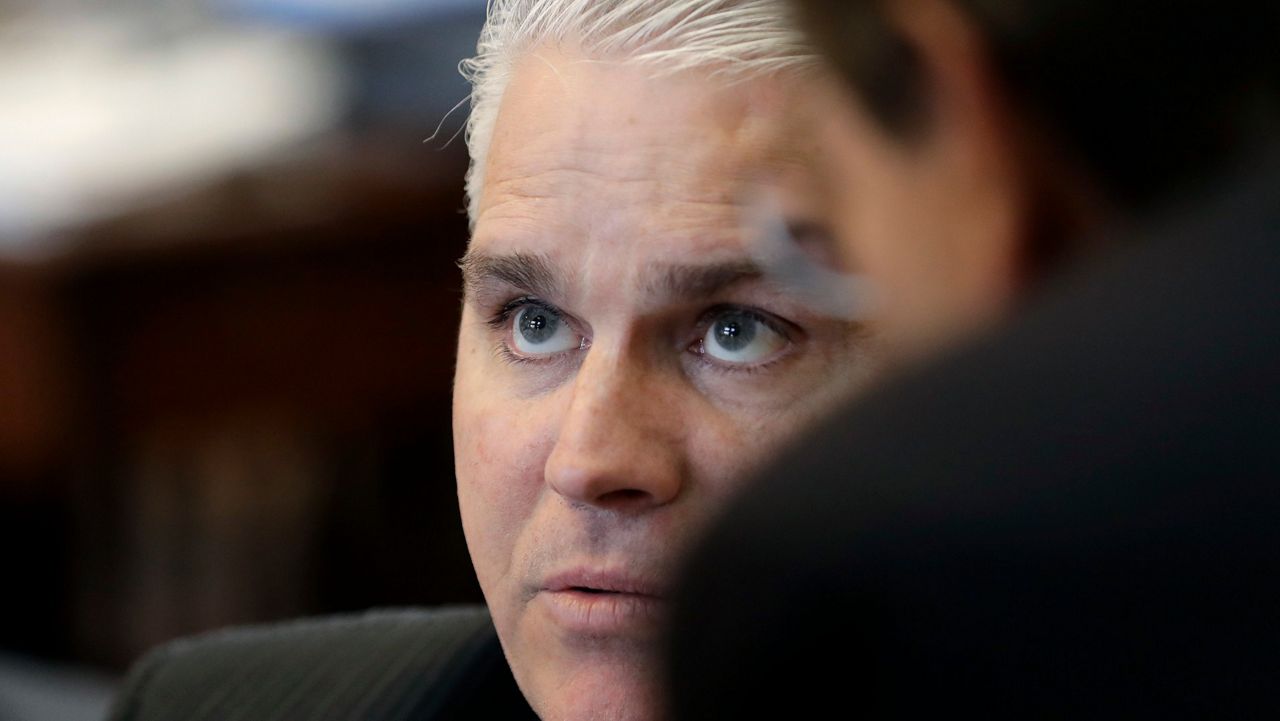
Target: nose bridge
[
  {"x": 606, "y": 386},
  {"x": 618, "y": 442}
]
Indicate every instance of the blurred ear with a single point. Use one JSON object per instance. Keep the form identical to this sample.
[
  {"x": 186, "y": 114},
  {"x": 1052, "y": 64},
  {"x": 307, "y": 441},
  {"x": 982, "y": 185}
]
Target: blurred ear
[{"x": 973, "y": 151}]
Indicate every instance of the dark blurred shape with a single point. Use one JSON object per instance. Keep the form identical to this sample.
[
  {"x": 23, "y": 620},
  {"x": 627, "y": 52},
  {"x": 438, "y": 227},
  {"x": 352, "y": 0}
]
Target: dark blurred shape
[
  {"x": 1151, "y": 98},
  {"x": 1075, "y": 517}
]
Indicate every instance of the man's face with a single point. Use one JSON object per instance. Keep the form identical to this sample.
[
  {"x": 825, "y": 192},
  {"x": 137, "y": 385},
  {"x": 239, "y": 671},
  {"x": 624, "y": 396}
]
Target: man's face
[{"x": 621, "y": 363}]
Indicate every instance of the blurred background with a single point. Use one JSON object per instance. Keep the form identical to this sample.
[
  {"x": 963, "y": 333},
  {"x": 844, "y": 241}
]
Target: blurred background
[{"x": 227, "y": 316}]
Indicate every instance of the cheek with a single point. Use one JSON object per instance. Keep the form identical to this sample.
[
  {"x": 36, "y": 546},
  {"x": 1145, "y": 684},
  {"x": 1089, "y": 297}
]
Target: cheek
[
  {"x": 723, "y": 456},
  {"x": 500, "y": 452},
  {"x": 728, "y": 446},
  {"x": 734, "y": 440},
  {"x": 487, "y": 458}
]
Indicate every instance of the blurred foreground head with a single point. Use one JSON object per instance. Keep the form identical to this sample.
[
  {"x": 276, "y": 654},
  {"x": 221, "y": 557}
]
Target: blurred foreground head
[
  {"x": 975, "y": 146},
  {"x": 1066, "y": 508}
]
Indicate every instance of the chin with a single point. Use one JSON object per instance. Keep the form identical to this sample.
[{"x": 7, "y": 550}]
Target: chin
[{"x": 593, "y": 690}]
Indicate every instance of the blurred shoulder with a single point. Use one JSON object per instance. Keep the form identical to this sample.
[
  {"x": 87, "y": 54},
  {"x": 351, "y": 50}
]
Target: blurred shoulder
[{"x": 385, "y": 665}]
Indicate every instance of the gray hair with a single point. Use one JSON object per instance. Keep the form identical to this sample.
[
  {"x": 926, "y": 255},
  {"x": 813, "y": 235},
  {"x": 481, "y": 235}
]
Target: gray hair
[{"x": 734, "y": 39}]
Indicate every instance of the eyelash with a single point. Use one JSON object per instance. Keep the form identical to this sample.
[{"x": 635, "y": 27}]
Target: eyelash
[
  {"x": 501, "y": 323},
  {"x": 499, "y": 320}
]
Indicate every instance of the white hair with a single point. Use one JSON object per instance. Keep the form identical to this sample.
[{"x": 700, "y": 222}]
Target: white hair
[{"x": 735, "y": 39}]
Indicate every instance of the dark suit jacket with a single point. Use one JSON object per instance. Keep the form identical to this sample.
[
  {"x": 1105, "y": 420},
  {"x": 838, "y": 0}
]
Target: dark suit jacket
[
  {"x": 1077, "y": 516},
  {"x": 397, "y": 665}
]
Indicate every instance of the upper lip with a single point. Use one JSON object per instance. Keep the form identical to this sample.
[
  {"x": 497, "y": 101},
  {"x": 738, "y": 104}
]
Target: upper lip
[{"x": 603, "y": 581}]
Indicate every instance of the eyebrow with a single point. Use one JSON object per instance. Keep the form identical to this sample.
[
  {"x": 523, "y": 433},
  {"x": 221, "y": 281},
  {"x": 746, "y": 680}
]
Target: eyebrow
[
  {"x": 699, "y": 281},
  {"x": 536, "y": 274},
  {"x": 531, "y": 273}
]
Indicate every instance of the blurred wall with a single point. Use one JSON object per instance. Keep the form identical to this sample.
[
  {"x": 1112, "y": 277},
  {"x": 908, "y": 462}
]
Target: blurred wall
[{"x": 224, "y": 390}]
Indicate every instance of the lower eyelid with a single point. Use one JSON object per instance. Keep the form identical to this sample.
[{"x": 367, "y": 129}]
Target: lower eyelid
[
  {"x": 698, "y": 349},
  {"x": 724, "y": 368},
  {"x": 505, "y": 354}
]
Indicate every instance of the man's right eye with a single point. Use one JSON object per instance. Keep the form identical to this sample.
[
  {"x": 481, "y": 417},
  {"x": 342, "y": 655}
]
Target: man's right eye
[{"x": 538, "y": 330}]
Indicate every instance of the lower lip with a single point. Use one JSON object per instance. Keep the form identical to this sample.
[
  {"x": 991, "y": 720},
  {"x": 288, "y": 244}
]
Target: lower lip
[{"x": 602, "y": 613}]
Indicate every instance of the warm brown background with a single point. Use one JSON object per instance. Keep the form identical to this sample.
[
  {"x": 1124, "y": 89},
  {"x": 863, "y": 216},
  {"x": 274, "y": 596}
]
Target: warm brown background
[{"x": 231, "y": 409}]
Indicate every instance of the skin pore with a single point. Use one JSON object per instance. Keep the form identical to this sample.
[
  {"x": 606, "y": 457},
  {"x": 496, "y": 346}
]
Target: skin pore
[{"x": 622, "y": 361}]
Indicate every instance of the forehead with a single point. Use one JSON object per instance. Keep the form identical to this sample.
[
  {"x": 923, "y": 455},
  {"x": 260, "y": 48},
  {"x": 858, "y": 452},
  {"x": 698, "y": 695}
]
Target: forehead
[{"x": 603, "y": 153}]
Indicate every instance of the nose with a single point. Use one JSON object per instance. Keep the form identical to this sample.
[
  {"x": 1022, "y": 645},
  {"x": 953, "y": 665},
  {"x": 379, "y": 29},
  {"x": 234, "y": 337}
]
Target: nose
[{"x": 619, "y": 442}]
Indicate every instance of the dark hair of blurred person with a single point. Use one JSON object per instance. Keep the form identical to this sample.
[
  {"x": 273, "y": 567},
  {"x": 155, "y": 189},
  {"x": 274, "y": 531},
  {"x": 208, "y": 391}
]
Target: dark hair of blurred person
[
  {"x": 1065, "y": 505},
  {"x": 1149, "y": 97},
  {"x": 979, "y": 145}
]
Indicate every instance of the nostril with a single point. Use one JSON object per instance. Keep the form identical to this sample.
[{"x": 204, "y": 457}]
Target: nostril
[{"x": 624, "y": 495}]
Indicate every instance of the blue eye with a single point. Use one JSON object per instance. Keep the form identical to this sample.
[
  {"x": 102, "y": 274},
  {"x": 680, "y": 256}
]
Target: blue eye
[
  {"x": 741, "y": 337},
  {"x": 540, "y": 331}
]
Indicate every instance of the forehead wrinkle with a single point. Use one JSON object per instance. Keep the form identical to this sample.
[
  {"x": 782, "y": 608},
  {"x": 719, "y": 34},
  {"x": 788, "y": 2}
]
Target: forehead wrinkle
[
  {"x": 529, "y": 177},
  {"x": 694, "y": 170},
  {"x": 549, "y": 183},
  {"x": 569, "y": 198},
  {"x": 615, "y": 155}
]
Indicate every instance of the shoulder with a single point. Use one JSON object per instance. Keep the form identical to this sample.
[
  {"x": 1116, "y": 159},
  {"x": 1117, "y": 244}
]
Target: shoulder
[{"x": 384, "y": 665}]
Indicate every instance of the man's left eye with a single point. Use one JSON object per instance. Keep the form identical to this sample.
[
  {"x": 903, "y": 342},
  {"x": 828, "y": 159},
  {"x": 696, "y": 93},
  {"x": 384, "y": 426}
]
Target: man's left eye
[{"x": 741, "y": 337}]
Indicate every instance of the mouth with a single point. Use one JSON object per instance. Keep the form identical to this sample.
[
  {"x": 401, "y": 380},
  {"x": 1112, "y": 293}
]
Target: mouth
[
  {"x": 602, "y": 603},
  {"x": 602, "y": 582}
]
